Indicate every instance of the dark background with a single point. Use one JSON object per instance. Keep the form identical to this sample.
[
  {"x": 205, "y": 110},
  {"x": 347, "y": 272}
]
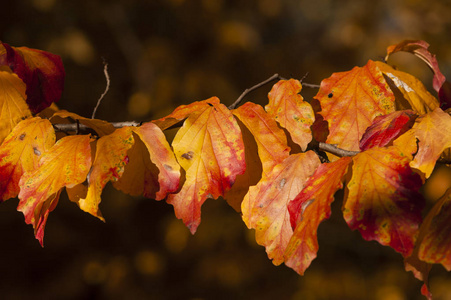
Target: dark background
[{"x": 162, "y": 54}]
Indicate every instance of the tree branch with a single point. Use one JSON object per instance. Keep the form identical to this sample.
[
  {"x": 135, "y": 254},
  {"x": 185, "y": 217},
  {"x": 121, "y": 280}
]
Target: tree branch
[
  {"x": 81, "y": 127},
  {"x": 247, "y": 91},
  {"x": 335, "y": 150}
]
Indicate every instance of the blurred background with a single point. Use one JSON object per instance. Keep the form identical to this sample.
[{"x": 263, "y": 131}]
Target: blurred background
[{"x": 162, "y": 54}]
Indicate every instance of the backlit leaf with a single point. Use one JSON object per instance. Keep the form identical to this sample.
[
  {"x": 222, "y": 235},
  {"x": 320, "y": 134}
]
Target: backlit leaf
[
  {"x": 179, "y": 114},
  {"x": 435, "y": 245},
  {"x": 382, "y": 199},
  {"x": 433, "y": 131},
  {"x": 351, "y": 100},
  {"x": 13, "y": 107},
  {"x": 21, "y": 151},
  {"x": 420, "y": 49},
  {"x": 66, "y": 164},
  {"x": 152, "y": 170},
  {"x": 415, "y": 95},
  {"x": 108, "y": 165},
  {"x": 290, "y": 110},
  {"x": 210, "y": 149},
  {"x": 41, "y": 71},
  {"x": 309, "y": 209},
  {"x": 385, "y": 129},
  {"x": 265, "y": 209}
]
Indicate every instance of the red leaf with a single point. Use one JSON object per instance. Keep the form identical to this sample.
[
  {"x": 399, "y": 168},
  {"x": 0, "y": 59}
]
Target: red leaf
[
  {"x": 385, "y": 129},
  {"x": 382, "y": 199},
  {"x": 309, "y": 209},
  {"x": 42, "y": 72}
]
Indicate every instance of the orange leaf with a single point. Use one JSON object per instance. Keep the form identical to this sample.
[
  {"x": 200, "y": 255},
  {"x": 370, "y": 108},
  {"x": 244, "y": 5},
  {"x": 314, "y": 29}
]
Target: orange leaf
[
  {"x": 309, "y": 209},
  {"x": 290, "y": 110},
  {"x": 13, "y": 107},
  {"x": 415, "y": 95},
  {"x": 351, "y": 100},
  {"x": 152, "y": 170},
  {"x": 21, "y": 151},
  {"x": 180, "y": 113},
  {"x": 435, "y": 245},
  {"x": 433, "y": 131},
  {"x": 265, "y": 205},
  {"x": 209, "y": 147},
  {"x": 100, "y": 126},
  {"x": 110, "y": 160},
  {"x": 382, "y": 199},
  {"x": 387, "y": 128},
  {"x": 41, "y": 71},
  {"x": 66, "y": 164},
  {"x": 420, "y": 49}
]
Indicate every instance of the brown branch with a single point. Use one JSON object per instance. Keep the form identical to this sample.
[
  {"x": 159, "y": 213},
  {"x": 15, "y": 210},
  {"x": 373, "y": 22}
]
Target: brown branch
[
  {"x": 247, "y": 91},
  {"x": 107, "y": 77},
  {"x": 335, "y": 150},
  {"x": 80, "y": 127}
]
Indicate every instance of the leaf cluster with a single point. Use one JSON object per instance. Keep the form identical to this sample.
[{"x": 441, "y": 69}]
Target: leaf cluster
[{"x": 374, "y": 131}]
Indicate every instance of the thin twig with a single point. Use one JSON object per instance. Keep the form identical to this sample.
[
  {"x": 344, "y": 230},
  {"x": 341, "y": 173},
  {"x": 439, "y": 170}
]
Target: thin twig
[
  {"x": 82, "y": 127},
  {"x": 247, "y": 91},
  {"x": 309, "y": 85},
  {"x": 107, "y": 77},
  {"x": 336, "y": 151}
]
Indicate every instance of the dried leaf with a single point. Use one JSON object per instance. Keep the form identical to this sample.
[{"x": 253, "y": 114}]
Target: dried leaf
[
  {"x": 351, "y": 100},
  {"x": 414, "y": 95},
  {"x": 433, "y": 131},
  {"x": 382, "y": 199},
  {"x": 385, "y": 129},
  {"x": 309, "y": 209},
  {"x": 210, "y": 149},
  {"x": 66, "y": 164},
  {"x": 110, "y": 160},
  {"x": 42, "y": 72},
  {"x": 265, "y": 206},
  {"x": 21, "y": 151},
  {"x": 13, "y": 107}
]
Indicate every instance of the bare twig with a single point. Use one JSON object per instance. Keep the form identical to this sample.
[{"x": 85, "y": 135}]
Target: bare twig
[
  {"x": 80, "y": 127},
  {"x": 107, "y": 77},
  {"x": 309, "y": 85},
  {"x": 336, "y": 151},
  {"x": 247, "y": 91}
]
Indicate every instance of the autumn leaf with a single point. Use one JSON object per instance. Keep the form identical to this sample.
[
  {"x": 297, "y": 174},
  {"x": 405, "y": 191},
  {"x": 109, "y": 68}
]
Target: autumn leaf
[
  {"x": 41, "y": 71},
  {"x": 21, "y": 151},
  {"x": 433, "y": 131},
  {"x": 444, "y": 95},
  {"x": 210, "y": 149},
  {"x": 179, "y": 114},
  {"x": 382, "y": 199},
  {"x": 309, "y": 209},
  {"x": 108, "y": 165},
  {"x": 435, "y": 245},
  {"x": 385, "y": 129},
  {"x": 351, "y": 100},
  {"x": 420, "y": 49},
  {"x": 290, "y": 110},
  {"x": 271, "y": 149},
  {"x": 13, "y": 107},
  {"x": 414, "y": 95},
  {"x": 264, "y": 208},
  {"x": 152, "y": 170},
  {"x": 101, "y": 127},
  {"x": 66, "y": 164}
]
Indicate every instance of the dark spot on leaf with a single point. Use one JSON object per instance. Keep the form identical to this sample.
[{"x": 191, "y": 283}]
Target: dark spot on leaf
[
  {"x": 210, "y": 104},
  {"x": 188, "y": 155},
  {"x": 36, "y": 151},
  {"x": 167, "y": 167},
  {"x": 330, "y": 95},
  {"x": 22, "y": 136}
]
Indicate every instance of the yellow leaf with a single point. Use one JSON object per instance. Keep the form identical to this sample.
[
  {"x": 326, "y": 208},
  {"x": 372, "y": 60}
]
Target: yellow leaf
[
  {"x": 13, "y": 107},
  {"x": 66, "y": 164},
  {"x": 110, "y": 160},
  {"x": 21, "y": 151}
]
